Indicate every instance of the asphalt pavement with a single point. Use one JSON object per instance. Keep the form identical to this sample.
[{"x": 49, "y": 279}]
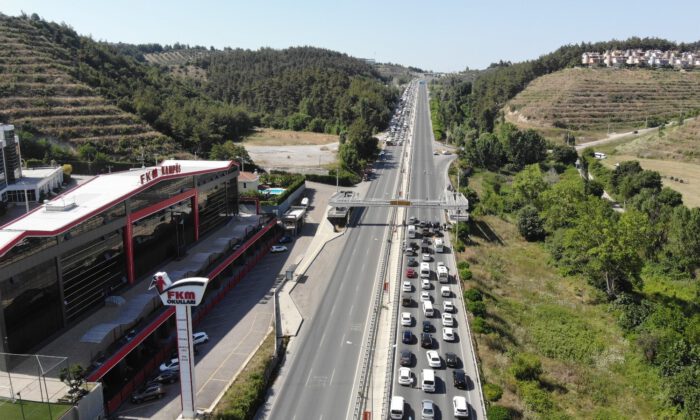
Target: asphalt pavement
[{"x": 428, "y": 177}]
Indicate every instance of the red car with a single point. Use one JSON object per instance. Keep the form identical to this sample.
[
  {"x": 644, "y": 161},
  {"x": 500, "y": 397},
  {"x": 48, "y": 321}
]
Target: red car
[{"x": 410, "y": 272}]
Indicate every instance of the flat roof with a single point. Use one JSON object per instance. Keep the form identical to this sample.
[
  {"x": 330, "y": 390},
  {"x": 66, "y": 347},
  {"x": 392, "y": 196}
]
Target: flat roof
[{"x": 96, "y": 195}]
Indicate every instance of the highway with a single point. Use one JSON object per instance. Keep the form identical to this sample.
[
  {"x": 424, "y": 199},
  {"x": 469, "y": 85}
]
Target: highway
[
  {"x": 322, "y": 374},
  {"x": 428, "y": 182}
]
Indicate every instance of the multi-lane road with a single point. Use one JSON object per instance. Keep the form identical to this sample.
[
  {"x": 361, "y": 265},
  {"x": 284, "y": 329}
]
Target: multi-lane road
[
  {"x": 321, "y": 380},
  {"x": 428, "y": 177},
  {"x": 321, "y": 376}
]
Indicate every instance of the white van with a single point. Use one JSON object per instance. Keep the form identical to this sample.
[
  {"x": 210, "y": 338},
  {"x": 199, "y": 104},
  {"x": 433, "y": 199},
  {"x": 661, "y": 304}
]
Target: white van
[
  {"x": 425, "y": 270},
  {"x": 428, "y": 309},
  {"x": 443, "y": 274},
  {"x": 439, "y": 245},
  {"x": 428, "y": 380},
  {"x": 412, "y": 231},
  {"x": 396, "y": 407}
]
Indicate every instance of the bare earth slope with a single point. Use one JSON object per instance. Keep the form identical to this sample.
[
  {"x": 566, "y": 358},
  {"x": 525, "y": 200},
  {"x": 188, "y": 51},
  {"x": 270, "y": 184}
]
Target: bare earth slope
[
  {"x": 39, "y": 94},
  {"x": 595, "y": 100}
]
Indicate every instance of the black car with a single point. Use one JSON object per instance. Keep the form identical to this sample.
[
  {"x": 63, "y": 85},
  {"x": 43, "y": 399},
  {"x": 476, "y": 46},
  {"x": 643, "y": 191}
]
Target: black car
[
  {"x": 406, "y": 337},
  {"x": 451, "y": 360},
  {"x": 285, "y": 239},
  {"x": 406, "y": 301},
  {"x": 427, "y": 326},
  {"x": 406, "y": 358},
  {"x": 459, "y": 379},
  {"x": 166, "y": 377},
  {"x": 426, "y": 340},
  {"x": 414, "y": 245},
  {"x": 410, "y": 253},
  {"x": 412, "y": 262}
]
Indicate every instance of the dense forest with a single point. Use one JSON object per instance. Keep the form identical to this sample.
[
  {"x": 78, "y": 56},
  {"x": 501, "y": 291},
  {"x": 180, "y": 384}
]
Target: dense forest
[
  {"x": 300, "y": 88},
  {"x": 466, "y": 108}
]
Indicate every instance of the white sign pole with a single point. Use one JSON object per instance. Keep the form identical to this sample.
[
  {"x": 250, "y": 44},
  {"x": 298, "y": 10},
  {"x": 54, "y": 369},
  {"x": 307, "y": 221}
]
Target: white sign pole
[{"x": 185, "y": 351}]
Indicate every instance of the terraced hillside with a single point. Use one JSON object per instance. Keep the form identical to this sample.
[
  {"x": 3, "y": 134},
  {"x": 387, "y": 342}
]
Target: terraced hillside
[
  {"x": 39, "y": 94},
  {"x": 593, "y": 100},
  {"x": 176, "y": 57}
]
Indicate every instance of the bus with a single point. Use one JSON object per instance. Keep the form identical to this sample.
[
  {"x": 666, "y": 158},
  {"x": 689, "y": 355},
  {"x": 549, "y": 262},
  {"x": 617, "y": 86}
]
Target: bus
[
  {"x": 412, "y": 231},
  {"x": 439, "y": 245}
]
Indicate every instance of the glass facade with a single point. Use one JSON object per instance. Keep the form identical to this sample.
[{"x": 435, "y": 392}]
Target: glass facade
[
  {"x": 161, "y": 236},
  {"x": 32, "y": 306},
  {"x": 113, "y": 213},
  {"x": 91, "y": 272},
  {"x": 27, "y": 247},
  {"x": 215, "y": 207},
  {"x": 161, "y": 191}
]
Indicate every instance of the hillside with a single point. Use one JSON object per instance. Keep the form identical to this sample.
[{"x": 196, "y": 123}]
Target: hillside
[
  {"x": 301, "y": 88},
  {"x": 591, "y": 99},
  {"x": 39, "y": 95}
]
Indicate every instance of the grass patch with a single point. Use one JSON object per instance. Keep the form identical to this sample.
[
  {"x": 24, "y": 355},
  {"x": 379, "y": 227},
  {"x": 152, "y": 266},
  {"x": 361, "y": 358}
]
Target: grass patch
[
  {"x": 32, "y": 410},
  {"x": 272, "y": 137},
  {"x": 589, "y": 369},
  {"x": 246, "y": 393}
]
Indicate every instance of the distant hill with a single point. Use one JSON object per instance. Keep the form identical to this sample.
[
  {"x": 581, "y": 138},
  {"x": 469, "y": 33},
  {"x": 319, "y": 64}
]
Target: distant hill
[
  {"x": 591, "y": 100},
  {"x": 679, "y": 143},
  {"x": 40, "y": 95}
]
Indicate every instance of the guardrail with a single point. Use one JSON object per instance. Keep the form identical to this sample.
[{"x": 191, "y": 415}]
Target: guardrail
[{"x": 371, "y": 339}]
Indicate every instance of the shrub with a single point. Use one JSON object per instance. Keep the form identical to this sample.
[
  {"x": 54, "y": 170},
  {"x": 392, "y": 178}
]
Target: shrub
[
  {"x": 465, "y": 274},
  {"x": 477, "y": 308},
  {"x": 499, "y": 412},
  {"x": 530, "y": 224},
  {"x": 526, "y": 367},
  {"x": 479, "y": 325},
  {"x": 534, "y": 397},
  {"x": 492, "y": 392},
  {"x": 473, "y": 295},
  {"x": 462, "y": 265}
]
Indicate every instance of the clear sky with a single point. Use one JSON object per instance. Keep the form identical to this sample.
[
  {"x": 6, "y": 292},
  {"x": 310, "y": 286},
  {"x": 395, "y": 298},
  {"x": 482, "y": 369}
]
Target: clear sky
[{"x": 440, "y": 35}]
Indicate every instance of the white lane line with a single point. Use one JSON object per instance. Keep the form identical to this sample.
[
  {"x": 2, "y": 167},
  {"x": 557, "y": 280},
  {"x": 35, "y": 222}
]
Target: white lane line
[
  {"x": 332, "y": 374},
  {"x": 323, "y": 338},
  {"x": 307, "y": 379}
]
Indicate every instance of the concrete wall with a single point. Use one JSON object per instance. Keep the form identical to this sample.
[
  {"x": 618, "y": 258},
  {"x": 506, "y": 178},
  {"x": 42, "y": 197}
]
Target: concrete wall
[{"x": 280, "y": 209}]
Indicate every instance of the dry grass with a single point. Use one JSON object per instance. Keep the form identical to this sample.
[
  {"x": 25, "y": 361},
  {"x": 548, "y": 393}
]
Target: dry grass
[
  {"x": 531, "y": 308},
  {"x": 688, "y": 172},
  {"x": 271, "y": 137},
  {"x": 588, "y": 100}
]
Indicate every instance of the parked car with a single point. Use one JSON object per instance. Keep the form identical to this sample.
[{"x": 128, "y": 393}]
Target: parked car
[
  {"x": 173, "y": 364},
  {"x": 433, "y": 359},
  {"x": 448, "y": 320},
  {"x": 427, "y": 326},
  {"x": 425, "y": 297},
  {"x": 460, "y": 408},
  {"x": 459, "y": 379},
  {"x": 426, "y": 340},
  {"x": 278, "y": 248},
  {"x": 425, "y": 284},
  {"x": 285, "y": 239},
  {"x": 406, "y": 319},
  {"x": 406, "y": 337},
  {"x": 166, "y": 377},
  {"x": 406, "y": 358},
  {"x": 412, "y": 262},
  {"x": 427, "y": 258},
  {"x": 149, "y": 392},
  {"x": 451, "y": 359},
  {"x": 407, "y": 286},
  {"x": 406, "y": 301},
  {"x": 200, "y": 338},
  {"x": 410, "y": 273},
  {"x": 427, "y": 410},
  {"x": 448, "y": 306},
  {"x": 405, "y": 376}
]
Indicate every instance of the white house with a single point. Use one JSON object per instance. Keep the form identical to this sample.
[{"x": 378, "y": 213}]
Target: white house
[{"x": 248, "y": 181}]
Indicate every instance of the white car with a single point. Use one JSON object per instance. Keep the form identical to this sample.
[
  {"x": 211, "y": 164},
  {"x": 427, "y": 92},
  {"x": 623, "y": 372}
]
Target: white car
[
  {"x": 200, "y": 338},
  {"x": 460, "y": 407},
  {"x": 173, "y": 364},
  {"x": 425, "y": 284},
  {"x": 445, "y": 291},
  {"x": 407, "y": 286},
  {"x": 441, "y": 264},
  {"x": 448, "y": 334},
  {"x": 448, "y": 306},
  {"x": 427, "y": 410},
  {"x": 425, "y": 297},
  {"x": 406, "y": 319},
  {"x": 433, "y": 359},
  {"x": 405, "y": 376},
  {"x": 278, "y": 248},
  {"x": 448, "y": 320},
  {"x": 427, "y": 258}
]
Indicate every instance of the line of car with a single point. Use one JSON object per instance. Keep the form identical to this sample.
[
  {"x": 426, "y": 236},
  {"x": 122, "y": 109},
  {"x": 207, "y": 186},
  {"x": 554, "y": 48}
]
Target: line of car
[
  {"x": 405, "y": 376},
  {"x": 168, "y": 373}
]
